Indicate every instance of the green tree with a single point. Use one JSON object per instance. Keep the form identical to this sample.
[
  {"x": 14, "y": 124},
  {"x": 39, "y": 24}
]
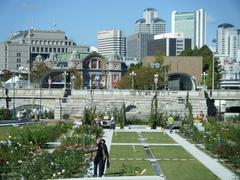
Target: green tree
[{"x": 207, "y": 55}]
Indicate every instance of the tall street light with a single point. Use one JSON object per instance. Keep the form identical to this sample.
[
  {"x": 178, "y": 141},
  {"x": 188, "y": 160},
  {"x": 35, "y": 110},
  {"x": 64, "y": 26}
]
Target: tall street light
[
  {"x": 213, "y": 71},
  {"x": 132, "y": 74},
  {"x": 73, "y": 78},
  {"x": 64, "y": 74},
  {"x": 204, "y": 75},
  {"x": 156, "y": 81},
  {"x": 14, "y": 91}
]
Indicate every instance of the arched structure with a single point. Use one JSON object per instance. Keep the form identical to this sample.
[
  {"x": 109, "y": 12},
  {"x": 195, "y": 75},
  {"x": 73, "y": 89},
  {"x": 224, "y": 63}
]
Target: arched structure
[{"x": 181, "y": 81}]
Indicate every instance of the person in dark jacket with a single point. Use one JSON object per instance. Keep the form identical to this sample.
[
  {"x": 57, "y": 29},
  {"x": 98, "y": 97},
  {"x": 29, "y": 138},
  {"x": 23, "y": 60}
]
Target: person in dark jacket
[
  {"x": 106, "y": 157},
  {"x": 99, "y": 155}
]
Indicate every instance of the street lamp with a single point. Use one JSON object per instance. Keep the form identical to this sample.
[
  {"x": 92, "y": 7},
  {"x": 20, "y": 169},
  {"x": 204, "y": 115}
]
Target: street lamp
[
  {"x": 132, "y": 74},
  {"x": 204, "y": 74},
  {"x": 64, "y": 74},
  {"x": 14, "y": 91},
  {"x": 73, "y": 78},
  {"x": 156, "y": 81}
]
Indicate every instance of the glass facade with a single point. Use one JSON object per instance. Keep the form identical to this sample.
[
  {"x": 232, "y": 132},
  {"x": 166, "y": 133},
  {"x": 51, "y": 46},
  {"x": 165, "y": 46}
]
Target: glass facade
[{"x": 185, "y": 22}]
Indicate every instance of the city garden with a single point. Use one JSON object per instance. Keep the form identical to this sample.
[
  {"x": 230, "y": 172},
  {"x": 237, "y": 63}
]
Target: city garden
[{"x": 26, "y": 151}]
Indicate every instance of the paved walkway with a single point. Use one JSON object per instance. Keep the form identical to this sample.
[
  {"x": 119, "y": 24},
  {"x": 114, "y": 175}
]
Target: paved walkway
[{"x": 211, "y": 163}]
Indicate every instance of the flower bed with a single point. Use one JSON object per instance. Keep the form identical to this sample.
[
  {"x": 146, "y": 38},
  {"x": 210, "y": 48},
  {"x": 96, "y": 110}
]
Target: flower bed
[
  {"x": 23, "y": 156},
  {"x": 220, "y": 139}
]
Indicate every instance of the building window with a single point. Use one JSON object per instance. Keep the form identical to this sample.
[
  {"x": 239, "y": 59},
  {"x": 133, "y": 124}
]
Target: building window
[
  {"x": 41, "y": 49},
  {"x": 58, "y": 49},
  {"x": 53, "y": 42},
  {"x": 54, "y": 49},
  {"x": 66, "y": 43},
  {"x": 37, "y": 49},
  {"x": 94, "y": 64},
  {"x": 5, "y": 60},
  {"x": 50, "y": 49},
  {"x": 46, "y": 49},
  {"x": 18, "y": 60},
  {"x": 18, "y": 66},
  {"x": 18, "y": 54},
  {"x": 62, "y": 50},
  {"x": 33, "y": 49},
  {"x": 5, "y": 48},
  {"x": 5, "y": 66}
]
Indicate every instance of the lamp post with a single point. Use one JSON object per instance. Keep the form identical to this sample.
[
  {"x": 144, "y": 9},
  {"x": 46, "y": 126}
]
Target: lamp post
[
  {"x": 14, "y": 91},
  {"x": 213, "y": 71},
  {"x": 64, "y": 74},
  {"x": 156, "y": 81},
  {"x": 132, "y": 74},
  {"x": 204, "y": 74},
  {"x": 73, "y": 78}
]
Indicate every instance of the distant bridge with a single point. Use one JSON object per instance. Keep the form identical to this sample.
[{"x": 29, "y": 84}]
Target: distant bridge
[{"x": 137, "y": 102}]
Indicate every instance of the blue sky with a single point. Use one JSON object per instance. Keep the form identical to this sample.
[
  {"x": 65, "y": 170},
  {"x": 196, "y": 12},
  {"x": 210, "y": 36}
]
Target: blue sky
[{"x": 82, "y": 19}]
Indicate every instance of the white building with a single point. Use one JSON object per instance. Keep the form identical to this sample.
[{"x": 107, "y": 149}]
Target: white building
[
  {"x": 150, "y": 23},
  {"x": 22, "y": 47},
  {"x": 228, "y": 42},
  {"x": 192, "y": 24},
  {"x": 111, "y": 42},
  {"x": 231, "y": 76}
]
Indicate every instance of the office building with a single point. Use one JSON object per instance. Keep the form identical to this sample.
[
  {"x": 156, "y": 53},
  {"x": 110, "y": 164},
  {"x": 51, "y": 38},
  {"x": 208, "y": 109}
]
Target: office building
[
  {"x": 192, "y": 24},
  {"x": 170, "y": 44},
  {"x": 137, "y": 45},
  {"x": 150, "y": 23},
  {"x": 111, "y": 42},
  {"x": 23, "y": 47},
  {"x": 228, "y": 42}
]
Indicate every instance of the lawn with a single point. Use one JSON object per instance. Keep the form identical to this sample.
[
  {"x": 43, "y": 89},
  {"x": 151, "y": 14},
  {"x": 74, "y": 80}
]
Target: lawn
[
  {"x": 125, "y": 137},
  {"x": 117, "y": 151},
  {"x": 129, "y": 168},
  {"x": 158, "y": 137},
  {"x": 186, "y": 170},
  {"x": 170, "y": 152},
  {"x": 5, "y": 132}
]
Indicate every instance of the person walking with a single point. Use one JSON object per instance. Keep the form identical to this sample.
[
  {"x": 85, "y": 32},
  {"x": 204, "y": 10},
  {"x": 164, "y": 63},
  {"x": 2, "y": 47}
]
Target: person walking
[
  {"x": 170, "y": 122},
  {"x": 106, "y": 157},
  {"x": 99, "y": 154},
  {"x": 112, "y": 123}
]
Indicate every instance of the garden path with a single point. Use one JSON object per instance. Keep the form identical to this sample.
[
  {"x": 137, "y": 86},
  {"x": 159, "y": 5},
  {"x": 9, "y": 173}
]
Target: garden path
[{"x": 211, "y": 163}]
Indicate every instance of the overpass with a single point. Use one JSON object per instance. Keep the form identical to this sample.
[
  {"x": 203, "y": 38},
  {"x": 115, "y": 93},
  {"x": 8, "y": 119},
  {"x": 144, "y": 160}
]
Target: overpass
[{"x": 137, "y": 102}]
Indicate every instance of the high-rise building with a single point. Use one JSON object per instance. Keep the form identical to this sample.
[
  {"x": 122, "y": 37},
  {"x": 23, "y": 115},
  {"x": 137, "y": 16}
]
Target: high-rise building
[
  {"x": 169, "y": 44},
  {"x": 150, "y": 23},
  {"x": 192, "y": 24},
  {"x": 228, "y": 41},
  {"x": 111, "y": 42},
  {"x": 137, "y": 45},
  {"x": 23, "y": 47}
]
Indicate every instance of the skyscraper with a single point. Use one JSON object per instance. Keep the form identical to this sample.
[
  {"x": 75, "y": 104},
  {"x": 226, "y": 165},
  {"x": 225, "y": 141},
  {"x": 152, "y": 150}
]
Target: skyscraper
[
  {"x": 137, "y": 45},
  {"x": 111, "y": 42},
  {"x": 150, "y": 23},
  {"x": 192, "y": 24},
  {"x": 228, "y": 41}
]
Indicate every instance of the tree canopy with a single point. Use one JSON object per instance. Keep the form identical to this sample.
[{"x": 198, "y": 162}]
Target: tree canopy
[{"x": 207, "y": 55}]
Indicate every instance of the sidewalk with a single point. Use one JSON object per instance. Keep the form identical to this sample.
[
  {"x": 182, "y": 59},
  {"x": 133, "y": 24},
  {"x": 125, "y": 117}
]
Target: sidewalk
[{"x": 212, "y": 164}]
